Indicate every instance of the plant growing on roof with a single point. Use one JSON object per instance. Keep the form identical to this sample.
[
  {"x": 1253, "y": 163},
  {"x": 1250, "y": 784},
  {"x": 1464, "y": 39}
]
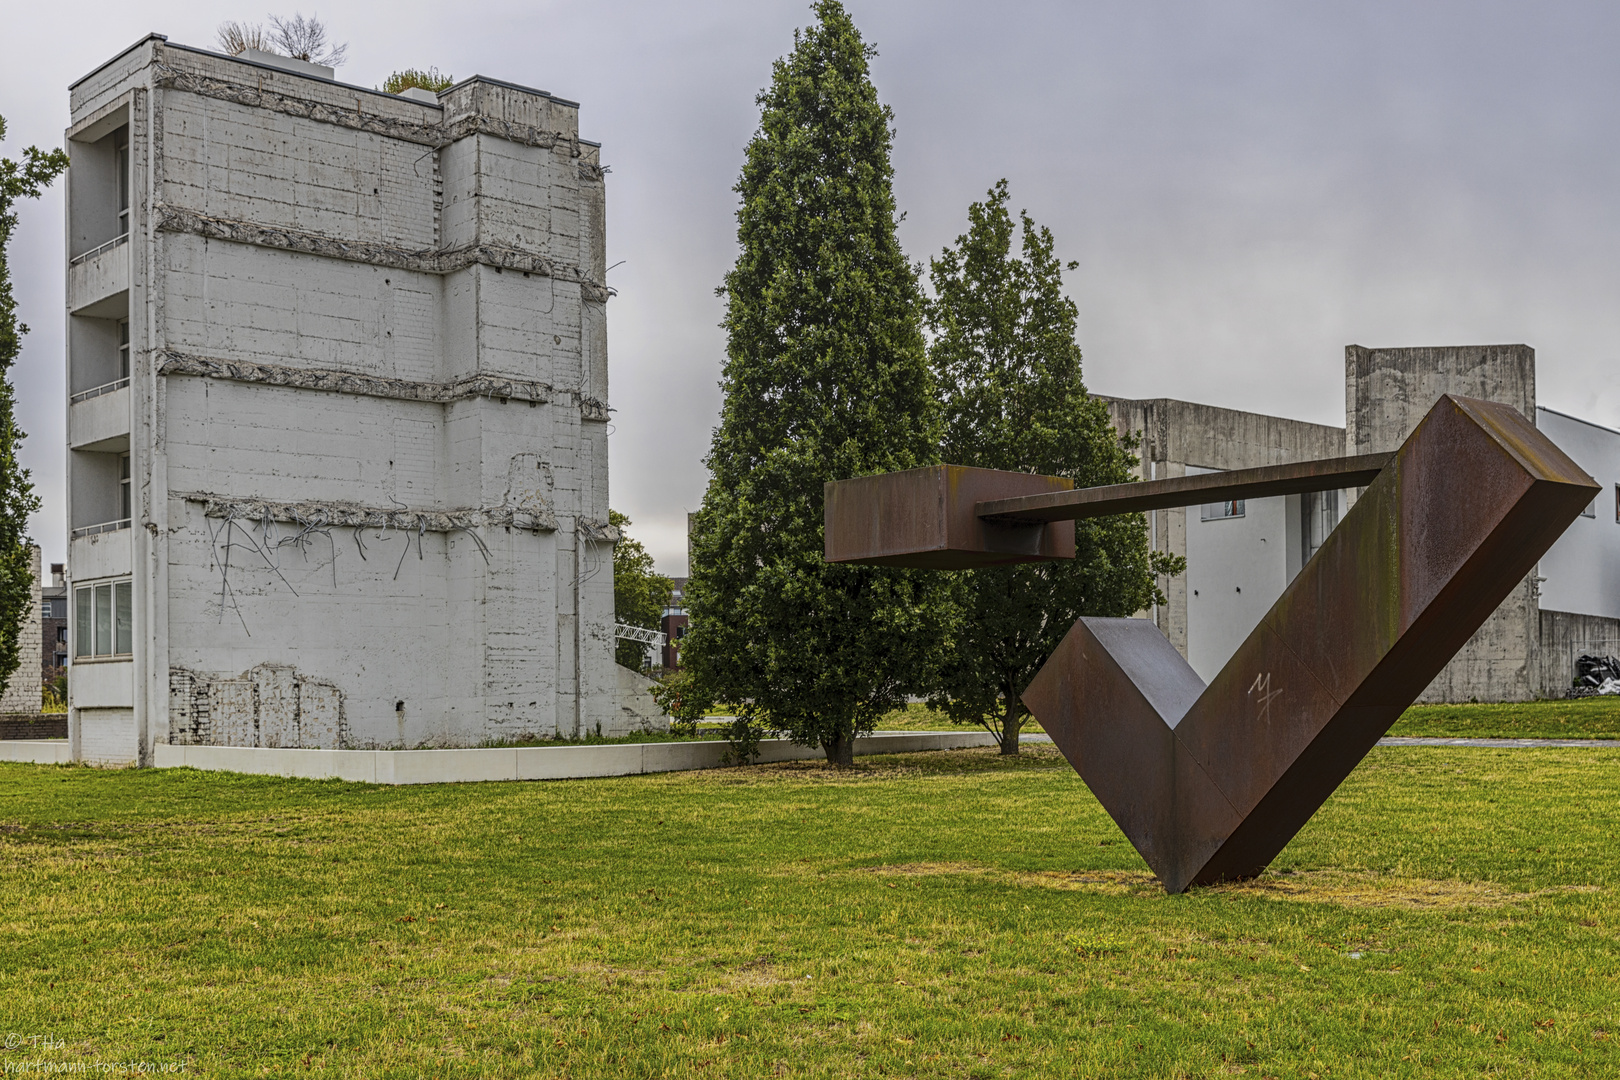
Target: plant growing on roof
[
  {"x": 825, "y": 378},
  {"x": 19, "y": 180},
  {"x": 414, "y": 78},
  {"x": 1008, "y": 367}
]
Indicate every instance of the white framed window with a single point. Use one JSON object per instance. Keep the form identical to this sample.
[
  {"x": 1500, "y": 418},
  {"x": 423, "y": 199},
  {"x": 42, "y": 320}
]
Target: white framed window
[
  {"x": 1231, "y": 508},
  {"x": 104, "y": 619},
  {"x": 1319, "y": 513},
  {"x": 123, "y": 348}
]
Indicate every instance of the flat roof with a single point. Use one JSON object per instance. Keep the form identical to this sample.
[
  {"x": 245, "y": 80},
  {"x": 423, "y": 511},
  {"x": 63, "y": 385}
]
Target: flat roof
[
  {"x": 1578, "y": 420},
  {"x": 332, "y": 82}
]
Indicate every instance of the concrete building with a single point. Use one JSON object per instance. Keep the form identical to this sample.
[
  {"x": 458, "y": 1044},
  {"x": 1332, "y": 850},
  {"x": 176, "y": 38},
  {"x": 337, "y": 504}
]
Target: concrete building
[
  {"x": 23, "y": 688},
  {"x": 337, "y": 367},
  {"x": 1241, "y": 556}
]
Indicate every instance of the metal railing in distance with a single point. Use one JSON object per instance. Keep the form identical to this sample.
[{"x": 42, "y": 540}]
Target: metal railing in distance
[
  {"x": 93, "y": 252},
  {"x": 626, "y": 632},
  {"x": 97, "y": 391},
  {"x": 104, "y": 527}
]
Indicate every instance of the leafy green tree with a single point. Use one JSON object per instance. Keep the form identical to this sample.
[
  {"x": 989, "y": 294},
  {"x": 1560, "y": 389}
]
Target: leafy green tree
[
  {"x": 1008, "y": 367},
  {"x": 18, "y": 180},
  {"x": 640, "y": 593},
  {"x": 826, "y": 377}
]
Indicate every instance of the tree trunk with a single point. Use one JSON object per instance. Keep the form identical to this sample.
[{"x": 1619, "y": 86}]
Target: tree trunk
[
  {"x": 840, "y": 750},
  {"x": 1011, "y": 722}
]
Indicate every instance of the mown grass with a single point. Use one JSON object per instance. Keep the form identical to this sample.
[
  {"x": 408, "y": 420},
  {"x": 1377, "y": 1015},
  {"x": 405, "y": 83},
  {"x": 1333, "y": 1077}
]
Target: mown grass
[
  {"x": 1449, "y": 912},
  {"x": 1582, "y": 718}
]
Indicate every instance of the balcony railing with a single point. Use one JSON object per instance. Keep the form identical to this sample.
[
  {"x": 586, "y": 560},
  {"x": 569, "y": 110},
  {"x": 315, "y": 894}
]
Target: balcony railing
[
  {"x": 97, "y": 391},
  {"x": 93, "y": 252},
  {"x": 104, "y": 527}
]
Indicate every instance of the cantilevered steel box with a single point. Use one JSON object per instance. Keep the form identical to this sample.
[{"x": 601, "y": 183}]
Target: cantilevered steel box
[{"x": 927, "y": 518}]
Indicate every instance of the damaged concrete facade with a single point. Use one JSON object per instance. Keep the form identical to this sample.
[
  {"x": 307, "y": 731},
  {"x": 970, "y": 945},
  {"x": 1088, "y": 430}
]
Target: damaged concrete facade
[
  {"x": 338, "y": 386},
  {"x": 1240, "y": 558}
]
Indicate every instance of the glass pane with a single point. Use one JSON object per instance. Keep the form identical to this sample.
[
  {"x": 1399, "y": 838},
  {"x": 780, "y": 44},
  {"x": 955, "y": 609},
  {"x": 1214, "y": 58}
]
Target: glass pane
[
  {"x": 81, "y": 631},
  {"x": 103, "y": 620},
  {"x": 123, "y": 618},
  {"x": 123, "y": 487}
]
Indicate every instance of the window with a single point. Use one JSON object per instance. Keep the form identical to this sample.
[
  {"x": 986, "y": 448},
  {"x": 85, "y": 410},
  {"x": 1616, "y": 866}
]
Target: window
[
  {"x": 123, "y": 488},
  {"x": 61, "y": 635},
  {"x": 1232, "y": 508},
  {"x": 104, "y": 619},
  {"x": 123, "y": 348},
  {"x": 121, "y": 151},
  {"x": 1319, "y": 513}
]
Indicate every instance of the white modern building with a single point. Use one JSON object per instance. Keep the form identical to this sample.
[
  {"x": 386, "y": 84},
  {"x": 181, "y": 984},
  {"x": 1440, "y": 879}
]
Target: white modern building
[
  {"x": 1241, "y": 555},
  {"x": 338, "y": 379}
]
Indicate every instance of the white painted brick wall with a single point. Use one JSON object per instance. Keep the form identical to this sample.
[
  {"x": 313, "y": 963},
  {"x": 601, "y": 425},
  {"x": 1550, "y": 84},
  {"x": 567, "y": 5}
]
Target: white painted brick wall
[{"x": 23, "y": 688}]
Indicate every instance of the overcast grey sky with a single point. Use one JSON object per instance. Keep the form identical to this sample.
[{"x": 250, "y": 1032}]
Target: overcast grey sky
[{"x": 1247, "y": 186}]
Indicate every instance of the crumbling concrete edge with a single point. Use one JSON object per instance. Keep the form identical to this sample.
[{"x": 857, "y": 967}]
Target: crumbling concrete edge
[
  {"x": 500, "y": 387},
  {"x": 524, "y": 762},
  {"x": 180, "y": 219},
  {"x": 166, "y": 77},
  {"x": 342, "y": 514}
]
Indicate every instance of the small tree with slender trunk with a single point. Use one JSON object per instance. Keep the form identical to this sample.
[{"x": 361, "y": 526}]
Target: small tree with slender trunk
[
  {"x": 18, "y": 181},
  {"x": 825, "y": 377},
  {"x": 1008, "y": 367}
]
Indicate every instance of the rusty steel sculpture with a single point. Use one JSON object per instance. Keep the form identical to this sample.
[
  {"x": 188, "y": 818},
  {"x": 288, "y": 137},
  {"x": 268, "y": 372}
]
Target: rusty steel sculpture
[{"x": 1210, "y": 782}]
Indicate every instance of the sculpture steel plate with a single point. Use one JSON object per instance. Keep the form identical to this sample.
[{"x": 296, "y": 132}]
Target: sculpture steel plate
[{"x": 1210, "y": 782}]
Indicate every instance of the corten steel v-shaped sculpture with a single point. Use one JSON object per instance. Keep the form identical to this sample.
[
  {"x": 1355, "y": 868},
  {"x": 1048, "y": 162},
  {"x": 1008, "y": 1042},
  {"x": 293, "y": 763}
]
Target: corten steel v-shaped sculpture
[{"x": 1210, "y": 782}]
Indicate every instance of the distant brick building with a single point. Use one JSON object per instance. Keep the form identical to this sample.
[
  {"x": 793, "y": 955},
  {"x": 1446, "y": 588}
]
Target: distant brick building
[
  {"x": 53, "y": 615},
  {"x": 673, "y": 624}
]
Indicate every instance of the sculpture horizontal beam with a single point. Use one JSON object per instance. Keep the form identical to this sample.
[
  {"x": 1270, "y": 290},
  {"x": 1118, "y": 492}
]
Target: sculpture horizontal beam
[
  {"x": 1294, "y": 478},
  {"x": 950, "y": 517}
]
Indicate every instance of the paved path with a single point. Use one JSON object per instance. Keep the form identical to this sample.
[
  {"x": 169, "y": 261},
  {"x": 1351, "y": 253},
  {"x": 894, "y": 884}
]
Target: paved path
[{"x": 1403, "y": 740}]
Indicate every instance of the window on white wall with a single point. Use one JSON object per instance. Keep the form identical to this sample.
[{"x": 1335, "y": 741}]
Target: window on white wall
[
  {"x": 123, "y": 488},
  {"x": 104, "y": 619},
  {"x": 1319, "y": 511},
  {"x": 1232, "y": 508}
]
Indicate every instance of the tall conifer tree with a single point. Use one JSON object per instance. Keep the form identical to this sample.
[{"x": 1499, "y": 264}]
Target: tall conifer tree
[
  {"x": 1008, "y": 367},
  {"x": 826, "y": 377},
  {"x": 18, "y": 180}
]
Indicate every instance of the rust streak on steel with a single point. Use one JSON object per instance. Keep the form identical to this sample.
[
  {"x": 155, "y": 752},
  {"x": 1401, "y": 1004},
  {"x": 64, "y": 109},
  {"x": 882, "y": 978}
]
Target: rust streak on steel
[{"x": 1264, "y": 482}]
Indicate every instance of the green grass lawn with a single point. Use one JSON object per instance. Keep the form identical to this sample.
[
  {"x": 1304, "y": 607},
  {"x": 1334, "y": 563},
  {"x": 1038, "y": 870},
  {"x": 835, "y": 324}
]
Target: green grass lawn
[
  {"x": 1586, "y": 718},
  {"x": 1450, "y": 912},
  {"x": 1583, "y": 718}
]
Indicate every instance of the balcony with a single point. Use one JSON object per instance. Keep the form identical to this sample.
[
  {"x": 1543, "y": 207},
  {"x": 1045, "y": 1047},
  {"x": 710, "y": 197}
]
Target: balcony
[
  {"x": 98, "y": 279},
  {"x": 99, "y": 418}
]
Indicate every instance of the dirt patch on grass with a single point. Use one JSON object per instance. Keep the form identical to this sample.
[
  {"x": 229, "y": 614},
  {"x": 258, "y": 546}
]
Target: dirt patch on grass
[
  {"x": 1314, "y": 887},
  {"x": 1102, "y": 882},
  {"x": 1381, "y": 891}
]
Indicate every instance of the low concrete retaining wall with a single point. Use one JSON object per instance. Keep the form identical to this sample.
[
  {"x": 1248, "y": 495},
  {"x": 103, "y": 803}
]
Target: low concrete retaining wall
[
  {"x": 524, "y": 762},
  {"x": 33, "y": 725},
  {"x": 41, "y": 751}
]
